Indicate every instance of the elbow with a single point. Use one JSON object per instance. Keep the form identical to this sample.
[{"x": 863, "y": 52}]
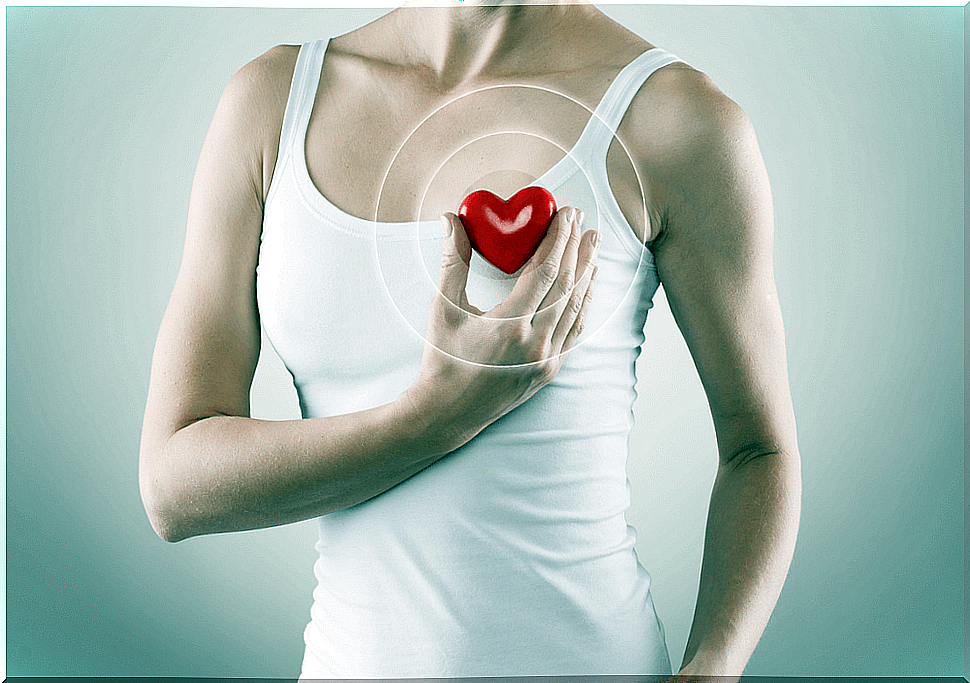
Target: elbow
[
  {"x": 165, "y": 530},
  {"x": 169, "y": 527},
  {"x": 166, "y": 527},
  {"x": 160, "y": 506},
  {"x": 163, "y": 522},
  {"x": 778, "y": 468},
  {"x": 754, "y": 452}
]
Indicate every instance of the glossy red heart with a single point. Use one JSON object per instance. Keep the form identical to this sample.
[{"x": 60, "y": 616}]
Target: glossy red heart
[{"x": 507, "y": 232}]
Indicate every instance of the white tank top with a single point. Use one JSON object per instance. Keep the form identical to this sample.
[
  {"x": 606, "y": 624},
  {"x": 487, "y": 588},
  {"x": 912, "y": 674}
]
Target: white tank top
[{"x": 510, "y": 556}]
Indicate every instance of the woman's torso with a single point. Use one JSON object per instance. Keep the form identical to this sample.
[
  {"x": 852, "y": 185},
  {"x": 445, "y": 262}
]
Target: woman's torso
[{"x": 510, "y": 556}]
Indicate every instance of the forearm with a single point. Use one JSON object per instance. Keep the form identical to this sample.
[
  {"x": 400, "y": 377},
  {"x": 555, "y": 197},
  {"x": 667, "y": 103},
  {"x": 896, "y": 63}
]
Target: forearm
[
  {"x": 750, "y": 539},
  {"x": 227, "y": 473}
]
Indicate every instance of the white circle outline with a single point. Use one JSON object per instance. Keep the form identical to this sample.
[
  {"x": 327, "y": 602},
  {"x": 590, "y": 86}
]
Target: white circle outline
[{"x": 390, "y": 165}]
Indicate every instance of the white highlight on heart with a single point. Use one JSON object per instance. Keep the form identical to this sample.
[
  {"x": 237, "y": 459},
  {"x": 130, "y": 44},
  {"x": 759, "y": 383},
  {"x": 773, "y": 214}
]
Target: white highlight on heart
[{"x": 509, "y": 227}]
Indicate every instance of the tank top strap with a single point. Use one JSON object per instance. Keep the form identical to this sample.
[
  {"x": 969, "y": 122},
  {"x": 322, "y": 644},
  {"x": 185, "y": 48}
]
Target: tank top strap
[
  {"x": 299, "y": 104},
  {"x": 596, "y": 137}
]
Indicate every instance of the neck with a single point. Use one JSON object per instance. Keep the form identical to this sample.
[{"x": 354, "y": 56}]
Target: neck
[{"x": 462, "y": 40}]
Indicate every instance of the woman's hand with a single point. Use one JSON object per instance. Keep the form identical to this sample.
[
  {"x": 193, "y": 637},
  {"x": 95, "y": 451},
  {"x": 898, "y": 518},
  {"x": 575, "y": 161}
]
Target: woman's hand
[{"x": 477, "y": 366}]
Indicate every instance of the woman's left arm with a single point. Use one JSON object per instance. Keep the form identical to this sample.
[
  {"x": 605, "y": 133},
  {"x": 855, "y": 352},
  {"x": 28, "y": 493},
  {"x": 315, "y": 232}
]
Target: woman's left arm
[{"x": 714, "y": 258}]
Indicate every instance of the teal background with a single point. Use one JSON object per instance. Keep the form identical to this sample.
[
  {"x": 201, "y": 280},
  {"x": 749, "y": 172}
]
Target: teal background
[{"x": 860, "y": 117}]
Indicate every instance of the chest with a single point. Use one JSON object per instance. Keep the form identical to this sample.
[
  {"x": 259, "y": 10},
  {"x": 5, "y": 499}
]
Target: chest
[{"x": 393, "y": 148}]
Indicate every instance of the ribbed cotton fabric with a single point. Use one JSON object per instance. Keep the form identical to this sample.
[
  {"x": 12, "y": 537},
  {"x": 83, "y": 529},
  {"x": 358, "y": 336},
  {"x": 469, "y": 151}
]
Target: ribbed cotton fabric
[{"x": 512, "y": 555}]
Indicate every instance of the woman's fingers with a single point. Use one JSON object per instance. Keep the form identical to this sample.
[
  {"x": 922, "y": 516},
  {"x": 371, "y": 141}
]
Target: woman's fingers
[
  {"x": 556, "y": 320},
  {"x": 574, "y": 317},
  {"x": 541, "y": 271},
  {"x": 563, "y": 284},
  {"x": 456, "y": 254},
  {"x": 553, "y": 292}
]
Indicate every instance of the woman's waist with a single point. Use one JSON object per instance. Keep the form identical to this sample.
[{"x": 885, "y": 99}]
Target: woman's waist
[{"x": 589, "y": 564}]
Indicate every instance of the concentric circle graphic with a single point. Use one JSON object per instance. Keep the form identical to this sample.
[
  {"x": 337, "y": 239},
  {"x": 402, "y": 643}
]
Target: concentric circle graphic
[{"x": 409, "y": 259}]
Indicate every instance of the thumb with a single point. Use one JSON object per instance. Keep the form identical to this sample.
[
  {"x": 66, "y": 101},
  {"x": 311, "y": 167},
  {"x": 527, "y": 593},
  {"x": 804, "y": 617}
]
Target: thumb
[{"x": 456, "y": 254}]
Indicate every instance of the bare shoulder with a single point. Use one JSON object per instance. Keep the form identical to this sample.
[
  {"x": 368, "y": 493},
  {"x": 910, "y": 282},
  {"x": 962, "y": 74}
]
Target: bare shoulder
[
  {"x": 261, "y": 86},
  {"x": 678, "y": 115},
  {"x": 255, "y": 102},
  {"x": 695, "y": 145}
]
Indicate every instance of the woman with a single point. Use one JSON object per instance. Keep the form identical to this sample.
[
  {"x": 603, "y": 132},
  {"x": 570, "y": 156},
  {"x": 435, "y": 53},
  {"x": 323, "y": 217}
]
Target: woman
[{"x": 470, "y": 482}]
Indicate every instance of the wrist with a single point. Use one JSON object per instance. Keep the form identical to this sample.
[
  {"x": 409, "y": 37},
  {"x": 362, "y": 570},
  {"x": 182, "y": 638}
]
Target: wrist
[{"x": 427, "y": 421}]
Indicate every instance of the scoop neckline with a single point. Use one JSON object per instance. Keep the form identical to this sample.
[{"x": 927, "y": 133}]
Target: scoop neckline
[{"x": 554, "y": 177}]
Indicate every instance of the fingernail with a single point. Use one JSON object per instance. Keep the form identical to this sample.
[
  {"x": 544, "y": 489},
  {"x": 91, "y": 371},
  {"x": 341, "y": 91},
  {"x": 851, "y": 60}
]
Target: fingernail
[
  {"x": 596, "y": 238},
  {"x": 580, "y": 216},
  {"x": 446, "y": 225},
  {"x": 570, "y": 215}
]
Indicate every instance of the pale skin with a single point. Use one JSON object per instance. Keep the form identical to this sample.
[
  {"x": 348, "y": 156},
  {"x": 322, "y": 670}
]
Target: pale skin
[{"x": 207, "y": 467}]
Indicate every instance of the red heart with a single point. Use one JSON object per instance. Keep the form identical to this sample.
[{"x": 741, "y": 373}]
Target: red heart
[{"x": 507, "y": 233}]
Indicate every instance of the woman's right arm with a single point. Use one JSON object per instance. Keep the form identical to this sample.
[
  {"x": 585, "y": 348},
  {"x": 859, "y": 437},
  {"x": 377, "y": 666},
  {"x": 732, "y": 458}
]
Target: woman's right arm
[{"x": 206, "y": 466}]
